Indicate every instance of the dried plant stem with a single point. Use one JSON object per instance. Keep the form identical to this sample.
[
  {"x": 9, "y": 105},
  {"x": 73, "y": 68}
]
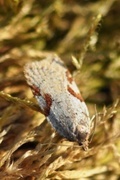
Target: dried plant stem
[
  {"x": 87, "y": 43},
  {"x": 20, "y": 102}
]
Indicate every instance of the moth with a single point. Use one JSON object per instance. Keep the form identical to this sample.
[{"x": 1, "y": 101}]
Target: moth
[{"x": 59, "y": 98}]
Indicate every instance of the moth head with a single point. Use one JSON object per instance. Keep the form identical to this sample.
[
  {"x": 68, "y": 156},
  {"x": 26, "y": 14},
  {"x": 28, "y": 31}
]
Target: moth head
[{"x": 82, "y": 136}]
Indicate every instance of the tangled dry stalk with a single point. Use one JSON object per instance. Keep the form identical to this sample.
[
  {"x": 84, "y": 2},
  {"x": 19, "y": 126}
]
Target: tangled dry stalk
[{"x": 87, "y": 31}]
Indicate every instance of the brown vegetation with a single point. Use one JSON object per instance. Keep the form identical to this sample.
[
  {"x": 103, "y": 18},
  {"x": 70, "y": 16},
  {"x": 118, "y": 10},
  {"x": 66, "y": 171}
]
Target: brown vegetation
[{"x": 86, "y": 35}]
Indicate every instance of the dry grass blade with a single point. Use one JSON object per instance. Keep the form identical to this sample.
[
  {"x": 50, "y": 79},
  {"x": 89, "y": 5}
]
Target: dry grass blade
[
  {"x": 31, "y": 30},
  {"x": 20, "y": 102}
]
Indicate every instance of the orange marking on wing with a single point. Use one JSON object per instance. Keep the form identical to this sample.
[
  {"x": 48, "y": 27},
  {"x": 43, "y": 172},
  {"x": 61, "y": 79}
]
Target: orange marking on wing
[
  {"x": 69, "y": 77},
  {"x": 77, "y": 95},
  {"x": 35, "y": 90},
  {"x": 48, "y": 100}
]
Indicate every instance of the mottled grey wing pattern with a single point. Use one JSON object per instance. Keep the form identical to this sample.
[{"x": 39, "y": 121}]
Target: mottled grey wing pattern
[{"x": 59, "y": 98}]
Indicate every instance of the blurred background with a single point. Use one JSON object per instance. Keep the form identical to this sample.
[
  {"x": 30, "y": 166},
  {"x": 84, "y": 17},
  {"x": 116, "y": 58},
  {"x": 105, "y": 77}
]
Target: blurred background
[{"x": 86, "y": 35}]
